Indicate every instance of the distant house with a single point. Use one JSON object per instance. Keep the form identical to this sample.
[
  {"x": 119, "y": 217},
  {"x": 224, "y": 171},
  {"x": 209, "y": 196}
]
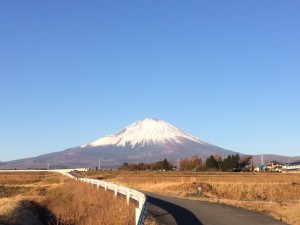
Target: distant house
[
  {"x": 274, "y": 167},
  {"x": 294, "y": 166}
]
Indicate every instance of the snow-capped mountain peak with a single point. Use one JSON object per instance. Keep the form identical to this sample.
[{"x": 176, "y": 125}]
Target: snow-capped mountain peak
[
  {"x": 147, "y": 140},
  {"x": 146, "y": 131}
]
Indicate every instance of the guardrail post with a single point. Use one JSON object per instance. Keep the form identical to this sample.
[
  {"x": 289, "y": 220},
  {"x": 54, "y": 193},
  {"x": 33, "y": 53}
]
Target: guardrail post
[
  {"x": 128, "y": 196},
  {"x": 141, "y": 202},
  {"x": 105, "y": 186},
  {"x": 116, "y": 191},
  {"x": 137, "y": 215}
]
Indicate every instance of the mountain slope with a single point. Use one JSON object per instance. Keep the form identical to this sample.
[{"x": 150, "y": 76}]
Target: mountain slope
[
  {"x": 146, "y": 131},
  {"x": 147, "y": 140}
]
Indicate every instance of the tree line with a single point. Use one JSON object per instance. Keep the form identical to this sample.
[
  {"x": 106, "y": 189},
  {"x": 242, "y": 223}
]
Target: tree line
[
  {"x": 159, "y": 165},
  {"x": 212, "y": 163},
  {"x": 216, "y": 163}
]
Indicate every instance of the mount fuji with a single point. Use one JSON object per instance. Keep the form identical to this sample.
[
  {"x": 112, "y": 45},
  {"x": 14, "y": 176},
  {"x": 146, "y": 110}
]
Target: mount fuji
[
  {"x": 146, "y": 140},
  {"x": 144, "y": 133}
]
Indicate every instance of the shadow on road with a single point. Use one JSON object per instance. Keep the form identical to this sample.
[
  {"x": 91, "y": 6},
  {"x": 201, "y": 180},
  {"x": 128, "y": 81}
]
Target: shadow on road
[{"x": 180, "y": 214}]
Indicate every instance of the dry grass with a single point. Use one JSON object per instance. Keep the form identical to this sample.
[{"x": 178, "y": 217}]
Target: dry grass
[
  {"x": 27, "y": 178},
  {"x": 63, "y": 200},
  {"x": 150, "y": 220},
  {"x": 18, "y": 186},
  {"x": 277, "y": 195},
  {"x": 7, "y": 205},
  {"x": 19, "y": 189},
  {"x": 82, "y": 204}
]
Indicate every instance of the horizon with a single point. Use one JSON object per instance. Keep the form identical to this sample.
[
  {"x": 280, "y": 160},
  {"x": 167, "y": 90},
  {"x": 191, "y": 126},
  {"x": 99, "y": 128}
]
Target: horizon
[
  {"x": 158, "y": 120},
  {"x": 224, "y": 72}
]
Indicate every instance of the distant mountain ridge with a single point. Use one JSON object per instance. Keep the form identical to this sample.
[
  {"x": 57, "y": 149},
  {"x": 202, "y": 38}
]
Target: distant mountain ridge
[
  {"x": 272, "y": 157},
  {"x": 146, "y": 140}
]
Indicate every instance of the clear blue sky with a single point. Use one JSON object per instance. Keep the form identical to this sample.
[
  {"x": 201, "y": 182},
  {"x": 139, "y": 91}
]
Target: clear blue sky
[{"x": 227, "y": 72}]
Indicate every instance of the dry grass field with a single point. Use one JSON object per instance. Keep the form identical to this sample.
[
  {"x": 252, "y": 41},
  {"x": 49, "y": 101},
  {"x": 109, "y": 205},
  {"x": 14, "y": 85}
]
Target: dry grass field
[
  {"x": 33, "y": 198},
  {"x": 277, "y": 195},
  {"x": 23, "y": 190}
]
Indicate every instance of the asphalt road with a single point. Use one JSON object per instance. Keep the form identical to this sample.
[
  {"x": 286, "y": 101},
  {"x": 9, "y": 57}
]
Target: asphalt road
[{"x": 174, "y": 211}]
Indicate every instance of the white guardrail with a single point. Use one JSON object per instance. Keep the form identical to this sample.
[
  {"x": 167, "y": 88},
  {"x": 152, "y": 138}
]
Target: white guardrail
[{"x": 140, "y": 212}]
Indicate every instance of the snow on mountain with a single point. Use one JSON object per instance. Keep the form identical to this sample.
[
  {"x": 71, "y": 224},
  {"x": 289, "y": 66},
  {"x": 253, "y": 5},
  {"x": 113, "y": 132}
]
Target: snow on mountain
[
  {"x": 146, "y": 131},
  {"x": 147, "y": 140}
]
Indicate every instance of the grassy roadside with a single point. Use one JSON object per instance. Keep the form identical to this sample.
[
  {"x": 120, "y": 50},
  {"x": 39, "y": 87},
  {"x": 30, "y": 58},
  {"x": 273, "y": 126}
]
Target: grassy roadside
[
  {"x": 277, "y": 195},
  {"x": 34, "y": 198}
]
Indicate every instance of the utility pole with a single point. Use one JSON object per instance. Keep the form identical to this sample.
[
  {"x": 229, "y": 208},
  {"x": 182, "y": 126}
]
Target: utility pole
[
  {"x": 48, "y": 166},
  {"x": 99, "y": 166}
]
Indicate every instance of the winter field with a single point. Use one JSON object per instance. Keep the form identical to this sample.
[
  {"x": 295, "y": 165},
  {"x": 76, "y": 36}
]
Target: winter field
[
  {"x": 29, "y": 198},
  {"x": 277, "y": 195}
]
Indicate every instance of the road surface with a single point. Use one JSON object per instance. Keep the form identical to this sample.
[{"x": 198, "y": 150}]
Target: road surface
[{"x": 175, "y": 211}]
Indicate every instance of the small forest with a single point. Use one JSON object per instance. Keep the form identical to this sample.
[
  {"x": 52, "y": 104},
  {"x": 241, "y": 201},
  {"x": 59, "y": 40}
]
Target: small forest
[{"x": 232, "y": 163}]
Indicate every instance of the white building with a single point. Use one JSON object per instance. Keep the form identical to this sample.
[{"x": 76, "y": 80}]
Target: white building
[{"x": 294, "y": 166}]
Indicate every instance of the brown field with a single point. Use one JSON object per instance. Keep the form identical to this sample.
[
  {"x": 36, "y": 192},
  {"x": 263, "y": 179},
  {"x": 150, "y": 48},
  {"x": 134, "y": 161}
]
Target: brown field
[
  {"x": 277, "y": 195},
  {"x": 28, "y": 198}
]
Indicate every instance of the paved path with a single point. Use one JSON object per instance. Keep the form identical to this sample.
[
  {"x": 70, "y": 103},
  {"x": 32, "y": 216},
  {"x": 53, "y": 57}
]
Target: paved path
[{"x": 174, "y": 211}]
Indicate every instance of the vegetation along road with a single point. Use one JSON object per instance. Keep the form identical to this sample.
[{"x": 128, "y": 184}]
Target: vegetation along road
[{"x": 175, "y": 211}]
